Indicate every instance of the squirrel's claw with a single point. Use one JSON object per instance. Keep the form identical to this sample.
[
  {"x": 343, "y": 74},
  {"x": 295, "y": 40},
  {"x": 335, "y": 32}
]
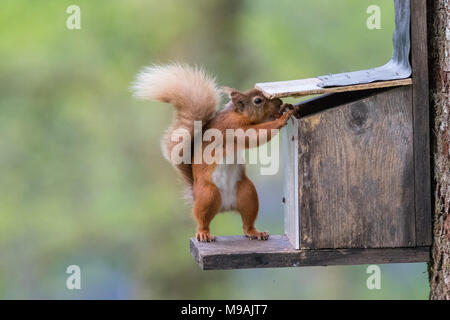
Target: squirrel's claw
[
  {"x": 205, "y": 237},
  {"x": 258, "y": 235},
  {"x": 285, "y": 107}
]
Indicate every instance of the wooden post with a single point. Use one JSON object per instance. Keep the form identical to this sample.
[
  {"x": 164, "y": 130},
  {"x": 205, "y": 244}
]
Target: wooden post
[{"x": 439, "y": 48}]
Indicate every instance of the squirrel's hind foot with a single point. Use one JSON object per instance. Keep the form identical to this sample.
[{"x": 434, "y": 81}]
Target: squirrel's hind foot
[
  {"x": 255, "y": 234},
  {"x": 204, "y": 236}
]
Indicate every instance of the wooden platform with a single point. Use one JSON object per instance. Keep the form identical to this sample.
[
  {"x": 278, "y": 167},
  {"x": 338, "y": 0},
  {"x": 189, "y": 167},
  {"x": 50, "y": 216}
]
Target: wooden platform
[
  {"x": 239, "y": 252},
  {"x": 304, "y": 87}
]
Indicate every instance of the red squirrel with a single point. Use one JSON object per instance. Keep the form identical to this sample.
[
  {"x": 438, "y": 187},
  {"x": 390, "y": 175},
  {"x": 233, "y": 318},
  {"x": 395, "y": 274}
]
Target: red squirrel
[{"x": 215, "y": 187}]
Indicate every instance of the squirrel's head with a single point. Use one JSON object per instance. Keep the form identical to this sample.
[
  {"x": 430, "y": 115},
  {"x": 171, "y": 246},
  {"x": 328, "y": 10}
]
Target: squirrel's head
[{"x": 254, "y": 105}]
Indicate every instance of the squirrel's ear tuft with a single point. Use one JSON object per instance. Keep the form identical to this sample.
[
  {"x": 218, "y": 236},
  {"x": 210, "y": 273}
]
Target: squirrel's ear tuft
[
  {"x": 236, "y": 97},
  {"x": 228, "y": 91}
]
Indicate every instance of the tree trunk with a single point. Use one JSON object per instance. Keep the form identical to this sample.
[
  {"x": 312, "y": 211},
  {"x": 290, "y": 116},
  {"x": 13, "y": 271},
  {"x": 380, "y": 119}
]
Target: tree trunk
[{"x": 439, "y": 63}]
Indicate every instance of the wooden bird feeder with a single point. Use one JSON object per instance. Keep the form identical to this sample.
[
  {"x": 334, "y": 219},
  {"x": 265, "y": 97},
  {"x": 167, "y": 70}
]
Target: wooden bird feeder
[{"x": 357, "y": 180}]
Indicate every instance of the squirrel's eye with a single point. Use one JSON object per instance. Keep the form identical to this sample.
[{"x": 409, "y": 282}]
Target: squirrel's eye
[{"x": 257, "y": 100}]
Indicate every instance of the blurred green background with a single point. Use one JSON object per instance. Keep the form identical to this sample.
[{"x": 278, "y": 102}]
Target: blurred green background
[{"x": 83, "y": 180}]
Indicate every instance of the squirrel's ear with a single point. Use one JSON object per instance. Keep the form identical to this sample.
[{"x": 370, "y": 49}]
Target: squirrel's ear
[
  {"x": 236, "y": 97},
  {"x": 238, "y": 100}
]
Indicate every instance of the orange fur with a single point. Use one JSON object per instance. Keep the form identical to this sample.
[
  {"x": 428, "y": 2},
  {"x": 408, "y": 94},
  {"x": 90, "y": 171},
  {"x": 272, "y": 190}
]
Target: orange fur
[
  {"x": 207, "y": 199},
  {"x": 195, "y": 97},
  {"x": 191, "y": 91}
]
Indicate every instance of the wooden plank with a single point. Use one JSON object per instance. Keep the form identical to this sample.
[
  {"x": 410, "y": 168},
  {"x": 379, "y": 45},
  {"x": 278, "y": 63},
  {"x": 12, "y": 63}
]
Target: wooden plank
[
  {"x": 331, "y": 100},
  {"x": 290, "y": 189},
  {"x": 304, "y": 87},
  {"x": 237, "y": 252},
  {"x": 420, "y": 104},
  {"x": 356, "y": 174}
]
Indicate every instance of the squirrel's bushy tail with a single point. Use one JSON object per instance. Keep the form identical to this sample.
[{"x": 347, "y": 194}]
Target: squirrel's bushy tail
[{"x": 190, "y": 90}]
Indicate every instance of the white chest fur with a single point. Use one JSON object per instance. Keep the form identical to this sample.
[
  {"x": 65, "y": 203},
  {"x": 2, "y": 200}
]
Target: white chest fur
[{"x": 226, "y": 178}]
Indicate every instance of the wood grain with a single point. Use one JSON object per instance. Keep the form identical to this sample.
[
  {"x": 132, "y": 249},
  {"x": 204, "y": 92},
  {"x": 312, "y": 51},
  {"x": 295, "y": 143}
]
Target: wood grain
[
  {"x": 237, "y": 252},
  {"x": 420, "y": 102},
  {"x": 304, "y": 87},
  {"x": 356, "y": 174}
]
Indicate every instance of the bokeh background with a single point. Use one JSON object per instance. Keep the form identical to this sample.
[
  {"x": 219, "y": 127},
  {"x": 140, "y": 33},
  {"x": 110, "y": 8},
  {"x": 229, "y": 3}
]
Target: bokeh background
[{"x": 82, "y": 177}]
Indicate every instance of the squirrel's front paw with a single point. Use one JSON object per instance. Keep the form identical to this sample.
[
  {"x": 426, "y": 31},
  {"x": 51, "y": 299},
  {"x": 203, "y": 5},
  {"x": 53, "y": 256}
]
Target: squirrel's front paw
[
  {"x": 285, "y": 117},
  {"x": 204, "y": 236},
  {"x": 286, "y": 107},
  {"x": 255, "y": 234}
]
